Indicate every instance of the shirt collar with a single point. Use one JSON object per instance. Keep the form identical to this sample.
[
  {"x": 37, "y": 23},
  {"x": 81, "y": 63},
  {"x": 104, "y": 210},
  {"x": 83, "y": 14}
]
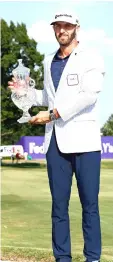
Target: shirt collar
[{"x": 57, "y": 57}]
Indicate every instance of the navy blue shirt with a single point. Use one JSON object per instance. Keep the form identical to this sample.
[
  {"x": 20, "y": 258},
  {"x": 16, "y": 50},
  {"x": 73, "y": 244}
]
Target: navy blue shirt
[{"x": 57, "y": 67}]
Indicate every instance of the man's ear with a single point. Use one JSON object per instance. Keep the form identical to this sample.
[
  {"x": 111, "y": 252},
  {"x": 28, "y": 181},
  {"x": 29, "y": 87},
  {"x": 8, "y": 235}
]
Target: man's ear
[
  {"x": 77, "y": 28},
  {"x": 53, "y": 27},
  {"x": 77, "y": 32}
]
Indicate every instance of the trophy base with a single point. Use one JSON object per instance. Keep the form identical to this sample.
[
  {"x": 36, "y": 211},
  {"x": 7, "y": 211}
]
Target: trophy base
[{"x": 24, "y": 119}]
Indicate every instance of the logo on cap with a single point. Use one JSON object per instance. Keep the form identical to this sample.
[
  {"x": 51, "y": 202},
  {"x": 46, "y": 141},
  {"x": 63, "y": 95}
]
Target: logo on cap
[{"x": 56, "y": 16}]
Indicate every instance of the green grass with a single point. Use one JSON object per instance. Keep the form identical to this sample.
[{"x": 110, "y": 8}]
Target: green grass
[{"x": 26, "y": 214}]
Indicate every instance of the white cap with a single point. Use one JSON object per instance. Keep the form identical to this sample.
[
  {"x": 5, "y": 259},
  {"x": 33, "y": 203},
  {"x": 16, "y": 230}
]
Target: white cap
[{"x": 65, "y": 16}]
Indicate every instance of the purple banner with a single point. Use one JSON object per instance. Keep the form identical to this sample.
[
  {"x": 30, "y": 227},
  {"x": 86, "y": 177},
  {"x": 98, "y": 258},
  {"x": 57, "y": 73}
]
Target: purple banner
[
  {"x": 107, "y": 147},
  {"x": 34, "y": 146}
]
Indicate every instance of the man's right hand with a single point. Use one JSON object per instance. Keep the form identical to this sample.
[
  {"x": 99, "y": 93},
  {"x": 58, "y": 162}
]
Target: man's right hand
[
  {"x": 12, "y": 84},
  {"x": 18, "y": 83}
]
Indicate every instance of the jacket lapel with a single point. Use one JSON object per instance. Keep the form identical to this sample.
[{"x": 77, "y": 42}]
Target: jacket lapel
[{"x": 49, "y": 73}]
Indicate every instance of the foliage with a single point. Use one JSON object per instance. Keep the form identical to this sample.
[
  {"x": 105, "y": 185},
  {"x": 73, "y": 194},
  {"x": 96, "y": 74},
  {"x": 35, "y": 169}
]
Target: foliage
[
  {"x": 107, "y": 129},
  {"x": 15, "y": 44}
]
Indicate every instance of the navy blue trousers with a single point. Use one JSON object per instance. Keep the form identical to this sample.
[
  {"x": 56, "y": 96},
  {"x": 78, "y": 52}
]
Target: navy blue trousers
[{"x": 86, "y": 167}]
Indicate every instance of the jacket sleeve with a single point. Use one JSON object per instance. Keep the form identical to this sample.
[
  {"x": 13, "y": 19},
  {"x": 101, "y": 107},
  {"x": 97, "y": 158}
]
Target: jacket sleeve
[
  {"x": 41, "y": 98},
  {"x": 73, "y": 103}
]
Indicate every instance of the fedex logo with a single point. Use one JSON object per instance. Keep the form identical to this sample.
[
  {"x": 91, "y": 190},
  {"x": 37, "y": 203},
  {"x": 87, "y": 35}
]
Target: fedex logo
[{"x": 33, "y": 148}]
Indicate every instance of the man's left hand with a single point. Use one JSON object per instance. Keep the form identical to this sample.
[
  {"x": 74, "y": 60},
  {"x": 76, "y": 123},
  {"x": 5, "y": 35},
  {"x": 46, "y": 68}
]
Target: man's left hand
[{"x": 41, "y": 118}]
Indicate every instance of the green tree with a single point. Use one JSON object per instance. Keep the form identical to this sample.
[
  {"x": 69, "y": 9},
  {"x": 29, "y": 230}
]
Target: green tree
[
  {"x": 15, "y": 44},
  {"x": 107, "y": 129}
]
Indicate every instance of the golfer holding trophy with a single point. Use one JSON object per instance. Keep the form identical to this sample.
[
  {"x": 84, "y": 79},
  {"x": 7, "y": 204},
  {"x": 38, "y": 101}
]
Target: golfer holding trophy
[{"x": 73, "y": 78}]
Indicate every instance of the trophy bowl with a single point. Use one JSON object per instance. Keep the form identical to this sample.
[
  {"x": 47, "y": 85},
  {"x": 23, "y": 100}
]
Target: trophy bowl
[{"x": 23, "y": 93}]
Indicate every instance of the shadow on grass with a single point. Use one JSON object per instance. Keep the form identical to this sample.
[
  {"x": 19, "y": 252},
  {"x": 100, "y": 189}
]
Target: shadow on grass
[
  {"x": 12, "y": 201},
  {"x": 104, "y": 164},
  {"x": 21, "y": 204},
  {"x": 24, "y": 165}
]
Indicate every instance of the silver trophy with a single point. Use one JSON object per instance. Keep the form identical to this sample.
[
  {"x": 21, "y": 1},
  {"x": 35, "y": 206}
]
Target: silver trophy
[{"x": 23, "y": 93}]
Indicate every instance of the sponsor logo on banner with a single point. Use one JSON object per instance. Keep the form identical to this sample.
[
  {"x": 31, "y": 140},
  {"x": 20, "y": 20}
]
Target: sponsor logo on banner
[
  {"x": 107, "y": 148},
  {"x": 10, "y": 149},
  {"x": 34, "y": 146}
]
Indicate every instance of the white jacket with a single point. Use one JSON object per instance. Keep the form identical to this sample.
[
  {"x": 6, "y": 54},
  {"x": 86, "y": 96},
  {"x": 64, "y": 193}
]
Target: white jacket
[{"x": 78, "y": 129}]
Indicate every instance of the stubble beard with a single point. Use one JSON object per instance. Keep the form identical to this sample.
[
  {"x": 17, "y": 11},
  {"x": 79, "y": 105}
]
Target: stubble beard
[{"x": 65, "y": 42}]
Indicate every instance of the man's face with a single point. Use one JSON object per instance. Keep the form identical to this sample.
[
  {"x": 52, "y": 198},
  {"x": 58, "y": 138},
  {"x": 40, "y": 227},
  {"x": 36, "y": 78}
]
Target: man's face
[{"x": 64, "y": 32}]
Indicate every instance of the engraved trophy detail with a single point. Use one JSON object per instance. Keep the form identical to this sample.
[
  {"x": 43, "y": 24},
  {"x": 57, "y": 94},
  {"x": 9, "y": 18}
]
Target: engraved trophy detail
[{"x": 23, "y": 93}]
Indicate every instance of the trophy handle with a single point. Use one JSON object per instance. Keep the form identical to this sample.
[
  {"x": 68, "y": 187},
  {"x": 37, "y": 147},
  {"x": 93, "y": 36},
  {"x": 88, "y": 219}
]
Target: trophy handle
[{"x": 32, "y": 82}]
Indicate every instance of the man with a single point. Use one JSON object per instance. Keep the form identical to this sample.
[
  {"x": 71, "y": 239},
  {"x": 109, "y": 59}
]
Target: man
[
  {"x": 73, "y": 78},
  {"x": 19, "y": 156},
  {"x": 13, "y": 154}
]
